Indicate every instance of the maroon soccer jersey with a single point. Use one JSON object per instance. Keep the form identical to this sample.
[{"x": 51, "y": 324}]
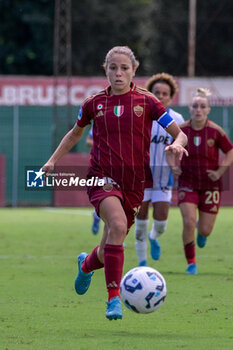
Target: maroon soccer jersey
[
  {"x": 121, "y": 133},
  {"x": 203, "y": 147}
]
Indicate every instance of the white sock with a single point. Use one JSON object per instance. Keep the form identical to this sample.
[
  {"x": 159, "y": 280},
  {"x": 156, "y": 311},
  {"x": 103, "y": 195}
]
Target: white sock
[
  {"x": 141, "y": 239},
  {"x": 158, "y": 228}
]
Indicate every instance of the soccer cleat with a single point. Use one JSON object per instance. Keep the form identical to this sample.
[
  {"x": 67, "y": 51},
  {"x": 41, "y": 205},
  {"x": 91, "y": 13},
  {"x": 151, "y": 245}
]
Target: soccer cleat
[
  {"x": 201, "y": 240},
  {"x": 142, "y": 263},
  {"x": 155, "y": 249},
  {"x": 114, "y": 311},
  {"x": 83, "y": 280},
  {"x": 192, "y": 269},
  {"x": 96, "y": 224}
]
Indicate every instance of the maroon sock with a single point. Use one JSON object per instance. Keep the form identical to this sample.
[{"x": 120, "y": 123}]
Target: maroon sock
[
  {"x": 189, "y": 250},
  {"x": 92, "y": 262},
  {"x": 113, "y": 267}
]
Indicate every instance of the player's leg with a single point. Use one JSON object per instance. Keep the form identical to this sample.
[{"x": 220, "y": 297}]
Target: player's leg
[
  {"x": 141, "y": 225},
  {"x": 113, "y": 215},
  {"x": 208, "y": 209},
  {"x": 205, "y": 226},
  {"x": 87, "y": 263},
  {"x": 188, "y": 211},
  {"x": 161, "y": 203}
]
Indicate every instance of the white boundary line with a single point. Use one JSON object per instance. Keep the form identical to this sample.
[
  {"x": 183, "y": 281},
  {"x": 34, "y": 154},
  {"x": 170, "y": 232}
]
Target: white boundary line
[{"x": 68, "y": 211}]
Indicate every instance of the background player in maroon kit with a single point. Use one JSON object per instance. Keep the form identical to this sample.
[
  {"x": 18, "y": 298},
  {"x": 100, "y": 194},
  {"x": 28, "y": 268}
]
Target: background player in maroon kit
[
  {"x": 199, "y": 180},
  {"x": 122, "y": 116}
]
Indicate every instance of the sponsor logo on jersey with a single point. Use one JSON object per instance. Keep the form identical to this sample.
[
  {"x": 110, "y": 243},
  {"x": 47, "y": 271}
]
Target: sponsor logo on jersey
[
  {"x": 118, "y": 110},
  {"x": 161, "y": 139},
  {"x": 197, "y": 140},
  {"x": 80, "y": 113},
  {"x": 100, "y": 106},
  {"x": 210, "y": 142},
  {"x": 99, "y": 114},
  {"x": 138, "y": 110},
  {"x": 214, "y": 208}
]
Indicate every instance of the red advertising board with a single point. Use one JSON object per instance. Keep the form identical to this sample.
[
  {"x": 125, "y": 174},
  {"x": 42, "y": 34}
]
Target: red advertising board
[{"x": 46, "y": 91}]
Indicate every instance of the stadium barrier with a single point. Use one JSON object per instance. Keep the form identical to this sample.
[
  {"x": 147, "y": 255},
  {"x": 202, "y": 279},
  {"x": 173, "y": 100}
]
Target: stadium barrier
[
  {"x": 79, "y": 198},
  {"x": 29, "y": 134},
  {"x": 73, "y": 198},
  {"x": 2, "y": 180}
]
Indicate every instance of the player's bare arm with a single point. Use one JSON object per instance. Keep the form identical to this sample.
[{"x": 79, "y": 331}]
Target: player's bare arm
[
  {"x": 215, "y": 175},
  {"x": 174, "y": 164},
  {"x": 68, "y": 141},
  {"x": 180, "y": 141}
]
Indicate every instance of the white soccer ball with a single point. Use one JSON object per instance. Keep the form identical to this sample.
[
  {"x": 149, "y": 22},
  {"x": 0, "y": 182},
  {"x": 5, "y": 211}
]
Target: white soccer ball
[{"x": 143, "y": 289}]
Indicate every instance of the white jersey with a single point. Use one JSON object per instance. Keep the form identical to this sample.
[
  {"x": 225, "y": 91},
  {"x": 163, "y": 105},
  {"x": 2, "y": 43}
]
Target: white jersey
[{"x": 162, "y": 175}]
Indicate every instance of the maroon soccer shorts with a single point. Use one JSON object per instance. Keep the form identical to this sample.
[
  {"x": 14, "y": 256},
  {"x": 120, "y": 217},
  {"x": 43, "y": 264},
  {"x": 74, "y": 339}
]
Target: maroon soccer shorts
[
  {"x": 206, "y": 201},
  {"x": 130, "y": 200}
]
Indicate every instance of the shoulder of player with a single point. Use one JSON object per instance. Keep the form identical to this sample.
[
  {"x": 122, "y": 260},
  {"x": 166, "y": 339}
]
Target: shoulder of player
[
  {"x": 176, "y": 116},
  {"x": 215, "y": 126},
  {"x": 145, "y": 92},
  {"x": 93, "y": 97},
  {"x": 185, "y": 124}
]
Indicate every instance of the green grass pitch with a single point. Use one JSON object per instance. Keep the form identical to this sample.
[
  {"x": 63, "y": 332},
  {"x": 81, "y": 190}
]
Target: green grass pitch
[{"x": 39, "y": 309}]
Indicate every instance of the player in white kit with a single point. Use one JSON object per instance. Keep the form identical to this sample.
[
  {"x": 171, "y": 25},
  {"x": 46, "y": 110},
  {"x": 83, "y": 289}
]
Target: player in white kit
[{"x": 164, "y": 87}]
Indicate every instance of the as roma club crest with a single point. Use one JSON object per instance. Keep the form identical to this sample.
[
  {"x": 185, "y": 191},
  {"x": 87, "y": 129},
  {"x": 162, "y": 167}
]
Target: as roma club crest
[
  {"x": 197, "y": 140},
  {"x": 210, "y": 142},
  {"x": 181, "y": 195},
  {"x": 138, "y": 110},
  {"x": 108, "y": 187},
  {"x": 118, "y": 110}
]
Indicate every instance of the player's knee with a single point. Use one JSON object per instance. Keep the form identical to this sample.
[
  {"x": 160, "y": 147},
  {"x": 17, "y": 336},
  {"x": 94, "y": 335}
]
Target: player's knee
[
  {"x": 142, "y": 215},
  {"x": 140, "y": 235},
  {"x": 204, "y": 230},
  {"x": 160, "y": 226},
  {"x": 189, "y": 222},
  {"x": 118, "y": 228}
]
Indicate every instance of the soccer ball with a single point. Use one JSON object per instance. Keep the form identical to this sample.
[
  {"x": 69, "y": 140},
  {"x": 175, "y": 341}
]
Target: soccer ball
[{"x": 143, "y": 289}]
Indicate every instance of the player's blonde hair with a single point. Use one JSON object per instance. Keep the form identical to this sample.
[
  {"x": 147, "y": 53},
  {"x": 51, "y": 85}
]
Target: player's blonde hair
[
  {"x": 202, "y": 92},
  {"x": 124, "y": 50},
  {"x": 162, "y": 78}
]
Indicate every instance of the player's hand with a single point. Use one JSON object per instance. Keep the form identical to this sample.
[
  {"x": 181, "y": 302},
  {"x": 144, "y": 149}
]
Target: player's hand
[
  {"x": 48, "y": 168},
  {"x": 177, "y": 150},
  {"x": 176, "y": 171},
  {"x": 213, "y": 175}
]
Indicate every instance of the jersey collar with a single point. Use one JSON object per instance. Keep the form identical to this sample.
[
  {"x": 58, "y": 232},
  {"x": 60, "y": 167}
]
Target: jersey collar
[{"x": 108, "y": 89}]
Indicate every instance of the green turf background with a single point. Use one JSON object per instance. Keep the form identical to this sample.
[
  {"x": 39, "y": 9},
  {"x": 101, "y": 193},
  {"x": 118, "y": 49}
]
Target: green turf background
[{"x": 39, "y": 309}]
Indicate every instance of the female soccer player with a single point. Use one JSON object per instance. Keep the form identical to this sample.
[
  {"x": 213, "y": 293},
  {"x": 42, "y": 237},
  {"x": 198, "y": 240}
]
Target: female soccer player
[
  {"x": 122, "y": 117},
  {"x": 200, "y": 174},
  {"x": 164, "y": 87}
]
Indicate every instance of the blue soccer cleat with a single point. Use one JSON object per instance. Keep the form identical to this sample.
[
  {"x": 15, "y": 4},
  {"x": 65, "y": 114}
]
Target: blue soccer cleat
[
  {"x": 83, "y": 280},
  {"x": 155, "y": 249},
  {"x": 96, "y": 224},
  {"x": 114, "y": 311},
  {"x": 192, "y": 269},
  {"x": 201, "y": 240},
  {"x": 142, "y": 263}
]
